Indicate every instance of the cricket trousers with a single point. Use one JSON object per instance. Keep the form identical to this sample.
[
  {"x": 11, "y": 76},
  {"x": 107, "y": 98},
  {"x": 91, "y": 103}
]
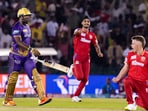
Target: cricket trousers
[
  {"x": 140, "y": 88},
  {"x": 81, "y": 72}
]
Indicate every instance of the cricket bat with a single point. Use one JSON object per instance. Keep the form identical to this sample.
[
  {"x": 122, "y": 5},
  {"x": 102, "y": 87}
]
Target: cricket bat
[{"x": 54, "y": 65}]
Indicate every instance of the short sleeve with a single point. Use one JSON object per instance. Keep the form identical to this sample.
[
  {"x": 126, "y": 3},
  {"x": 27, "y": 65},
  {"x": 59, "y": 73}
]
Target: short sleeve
[
  {"x": 127, "y": 59},
  {"x": 16, "y": 31}
]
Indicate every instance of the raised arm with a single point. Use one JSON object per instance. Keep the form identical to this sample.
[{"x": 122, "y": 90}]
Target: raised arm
[{"x": 77, "y": 32}]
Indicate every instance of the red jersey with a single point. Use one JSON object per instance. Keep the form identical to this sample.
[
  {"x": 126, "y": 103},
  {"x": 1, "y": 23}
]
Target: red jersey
[
  {"x": 138, "y": 65},
  {"x": 82, "y": 43}
]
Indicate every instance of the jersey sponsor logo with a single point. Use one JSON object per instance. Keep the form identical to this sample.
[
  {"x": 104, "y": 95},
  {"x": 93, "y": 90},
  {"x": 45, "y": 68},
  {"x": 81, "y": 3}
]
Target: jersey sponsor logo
[
  {"x": 143, "y": 59},
  {"x": 133, "y": 57},
  {"x": 83, "y": 34},
  {"x": 15, "y": 32},
  {"x": 136, "y": 63},
  {"x": 85, "y": 40},
  {"x": 25, "y": 30}
]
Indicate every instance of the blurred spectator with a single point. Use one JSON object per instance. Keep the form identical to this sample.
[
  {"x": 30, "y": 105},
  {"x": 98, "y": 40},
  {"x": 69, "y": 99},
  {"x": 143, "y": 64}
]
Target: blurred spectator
[
  {"x": 5, "y": 42},
  {"x": 118, "y": 9},
  {"x": 37, "y": 27},
  {"x": 63, "y": 44},
  {"x": 117, "y": 36},
  {"x": 126, "y": 50},
  {"x": 114, "y": 54},
  {"x": 41, "y": 8},
  {"x": 6, "y": 25},
  {"x": 4, "y": 7},
  {"x": 142, "y": 10},
  {"x": 121, "y": 89},
  {"x": 73, "y": 20},
  {"x": 103, "y": 30},
  {"x": 52, "y": 29},
  {"x": 108, "y": 88},
  {"x": 52, "y": 7}
]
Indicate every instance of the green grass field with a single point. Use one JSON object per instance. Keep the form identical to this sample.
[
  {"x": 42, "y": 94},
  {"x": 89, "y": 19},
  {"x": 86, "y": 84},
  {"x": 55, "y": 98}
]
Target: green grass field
[{"x": 65, "y": 104}]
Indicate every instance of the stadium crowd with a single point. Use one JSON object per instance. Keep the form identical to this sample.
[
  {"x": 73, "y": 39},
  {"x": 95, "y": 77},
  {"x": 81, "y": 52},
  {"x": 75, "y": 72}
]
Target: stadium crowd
[{"x": 53, "y": 23}]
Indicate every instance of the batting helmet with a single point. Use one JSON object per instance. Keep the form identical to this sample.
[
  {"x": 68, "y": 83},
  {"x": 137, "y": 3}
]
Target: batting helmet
[{"x": 23, "y": 12}]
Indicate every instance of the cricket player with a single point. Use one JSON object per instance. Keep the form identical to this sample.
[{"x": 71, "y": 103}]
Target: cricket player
[
  {"x": 20, "y": 57},
  {"x": 83, "y": 38},
  {"x": 136, "y": 65}
]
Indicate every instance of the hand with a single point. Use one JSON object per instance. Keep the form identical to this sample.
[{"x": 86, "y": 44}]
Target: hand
[
  {"x": 115, "y": 79},
  {"x": 78, "y": 32},
  {"x": 35, "y": 52},
  {"x": 100, "y": 54}
]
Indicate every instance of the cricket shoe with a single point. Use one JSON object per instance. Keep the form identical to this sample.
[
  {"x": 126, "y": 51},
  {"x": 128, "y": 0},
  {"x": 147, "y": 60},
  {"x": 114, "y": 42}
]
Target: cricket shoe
[
  {"x": 45, "y": 100},
  {"x": 9, "y": 103},
  {"x": 70, "y": 71},
  {"x": 131, "y": 107},
  {"x": 76, "y": 99}
]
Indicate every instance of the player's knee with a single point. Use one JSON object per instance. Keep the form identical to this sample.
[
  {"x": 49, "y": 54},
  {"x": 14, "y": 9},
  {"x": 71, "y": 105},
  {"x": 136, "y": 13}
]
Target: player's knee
[
  {"x": 35, "y": 75},
  {"x": 13, "y": 77}
]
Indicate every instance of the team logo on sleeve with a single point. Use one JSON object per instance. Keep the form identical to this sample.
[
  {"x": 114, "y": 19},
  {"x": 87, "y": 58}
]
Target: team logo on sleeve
[
  {"x": 15, "y": 32},
  {"x": 24, "y": 30},
  {"x": 143, "y": 58}
]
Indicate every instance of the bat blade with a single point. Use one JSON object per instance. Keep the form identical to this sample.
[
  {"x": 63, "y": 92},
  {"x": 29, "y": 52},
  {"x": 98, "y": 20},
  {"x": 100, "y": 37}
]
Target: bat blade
[{"x": 54, "y": 65}]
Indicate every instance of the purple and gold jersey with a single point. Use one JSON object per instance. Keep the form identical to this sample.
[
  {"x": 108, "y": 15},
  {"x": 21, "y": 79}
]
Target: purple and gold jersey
[{"x": 22, "y": 31}]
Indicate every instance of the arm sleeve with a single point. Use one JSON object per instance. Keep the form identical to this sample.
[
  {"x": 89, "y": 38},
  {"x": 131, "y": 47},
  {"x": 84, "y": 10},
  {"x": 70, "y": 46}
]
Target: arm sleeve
[{"x": 16, "y": 31}]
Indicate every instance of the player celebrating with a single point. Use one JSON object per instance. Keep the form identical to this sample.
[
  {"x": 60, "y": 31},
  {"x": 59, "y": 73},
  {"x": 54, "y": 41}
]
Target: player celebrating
[
  {"x": 20, "y": 56},
  {"x": 136, "y": 64},
  {"x": 83, "y": 38}
]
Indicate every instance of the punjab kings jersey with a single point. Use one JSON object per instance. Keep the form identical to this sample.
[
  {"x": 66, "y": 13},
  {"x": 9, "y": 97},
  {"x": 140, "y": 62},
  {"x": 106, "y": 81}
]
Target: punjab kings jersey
[
  {"x": 82, "y": 43},
  {"x": 22, "y": 31},
  {"x": 138, "y": 65}
]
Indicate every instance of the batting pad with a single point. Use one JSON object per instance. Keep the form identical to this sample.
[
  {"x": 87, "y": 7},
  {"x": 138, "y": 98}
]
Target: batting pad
[
  {"x": 10, "y": 86},
  {"x": 38, "y": 82}
]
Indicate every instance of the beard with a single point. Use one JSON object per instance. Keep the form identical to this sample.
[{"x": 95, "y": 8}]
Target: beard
[{"x": 24, "y": 22}]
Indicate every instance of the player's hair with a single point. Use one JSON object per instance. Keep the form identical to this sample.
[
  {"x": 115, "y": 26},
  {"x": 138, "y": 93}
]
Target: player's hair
[
  {"x": 85, "y": 17},
  {"x": 140, "y": 38}
]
